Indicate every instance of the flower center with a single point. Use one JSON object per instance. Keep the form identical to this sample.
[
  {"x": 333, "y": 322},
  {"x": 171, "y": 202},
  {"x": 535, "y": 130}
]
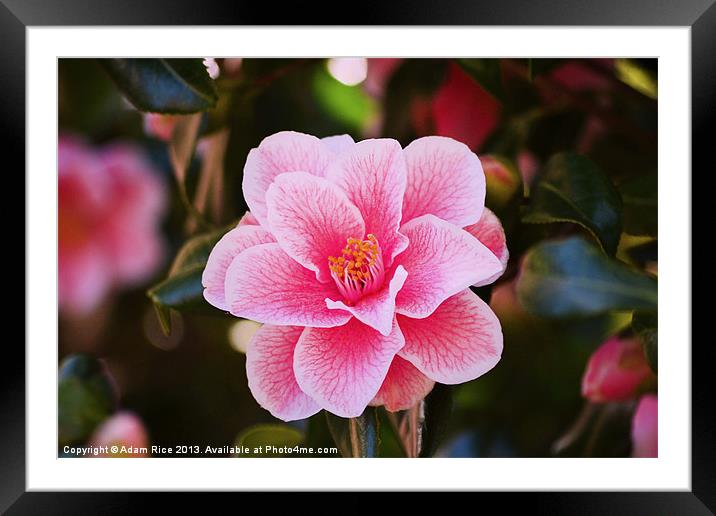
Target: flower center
[{"x": 359, "y": 270}]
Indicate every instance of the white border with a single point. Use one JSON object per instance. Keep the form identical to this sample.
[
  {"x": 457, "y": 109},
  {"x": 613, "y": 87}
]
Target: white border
[{"x": 670, "y": 471}]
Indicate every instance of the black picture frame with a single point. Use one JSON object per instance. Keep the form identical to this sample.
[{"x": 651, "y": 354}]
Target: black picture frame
[{"x": 699, "y": 15}]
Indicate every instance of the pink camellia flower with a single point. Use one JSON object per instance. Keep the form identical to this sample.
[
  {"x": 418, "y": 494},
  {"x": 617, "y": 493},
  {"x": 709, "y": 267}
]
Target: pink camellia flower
[
  {"x": 615, "y": 371},
  {"x": 123, "y": 430},
  {"x": 645, "y": 426},
  {"x": 109, "y": 206},
  {"x": 358, "y": 258}
]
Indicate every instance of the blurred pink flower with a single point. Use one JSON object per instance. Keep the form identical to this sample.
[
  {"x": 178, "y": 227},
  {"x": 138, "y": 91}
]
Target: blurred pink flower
[
  {"x": 615, "y": 371},
  {"x": 109, "y": 206},
  {"x": 645, "y": 426},
  {"x": 124, "y": 430},
  {"x": 359, "y": 260},
  {"x": 582, "y": 76},
  {"x": 463, "y": 110}
]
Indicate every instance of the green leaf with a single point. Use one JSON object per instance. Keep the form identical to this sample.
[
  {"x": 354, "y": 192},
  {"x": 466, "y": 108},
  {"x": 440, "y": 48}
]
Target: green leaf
[
  {"x": 86, "y": 396},
  {"x": 172, "y": 86},
  {"x": 182, "y": 290},
  {"x": 639, "y": 195},
  {"x": 260, "y": 438},
  {"x": 487, "y": 73},
  {"x": 438, "y": 407},
  {"x": 573, "y": 189},
  {"x": 196, "y": 250},
  {"x": 645, "y": 324},
  {"x": 356, "y": 436},
  {"x": 572, "y": 278}
]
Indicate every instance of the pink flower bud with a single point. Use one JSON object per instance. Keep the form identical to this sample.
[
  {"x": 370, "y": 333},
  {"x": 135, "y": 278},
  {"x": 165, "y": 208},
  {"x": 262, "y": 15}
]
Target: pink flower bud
[
  {"x": 123, "y": 435},
  {"x": 615, "y": 371},
  {"x": 645, "y": 426},
  {"x": 502, "y": 181}
]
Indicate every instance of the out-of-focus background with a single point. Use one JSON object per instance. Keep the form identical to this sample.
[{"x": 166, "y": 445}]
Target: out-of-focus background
[{"x": 125, "y": 212}]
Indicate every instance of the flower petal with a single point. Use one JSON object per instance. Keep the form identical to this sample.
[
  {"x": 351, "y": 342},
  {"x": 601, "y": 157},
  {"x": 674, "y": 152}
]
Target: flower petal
[
  {"x": 460, "y": 341},
  {"x": 489, "y": 231},
  {"x": 376, "y": 310},
  {"x": 403, "y": 387},
  {"x": 248, "y": 220},
  {"x": 445, "y": 179},
  {"x": 286, "y": 151},
  {"x": 311, "y": 219},
  {"x": 339, "y": 143},
  {"x": 343, "y": 368},
  {"x": 269, "y": 369},
  {"x": 373, "y": 175},
  {"x": 264, "y": 284},
  {"x": 231, "y": 244},
  {"x": 441, "y": 260}
]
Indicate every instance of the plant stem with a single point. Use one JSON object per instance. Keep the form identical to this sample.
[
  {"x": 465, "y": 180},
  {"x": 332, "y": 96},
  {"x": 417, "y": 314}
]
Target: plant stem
[{"x": 354, "y": 437}]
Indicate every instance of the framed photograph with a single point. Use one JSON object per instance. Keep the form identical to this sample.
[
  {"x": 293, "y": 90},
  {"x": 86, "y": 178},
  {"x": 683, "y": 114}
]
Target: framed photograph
[{"x": 445, "y": 245}]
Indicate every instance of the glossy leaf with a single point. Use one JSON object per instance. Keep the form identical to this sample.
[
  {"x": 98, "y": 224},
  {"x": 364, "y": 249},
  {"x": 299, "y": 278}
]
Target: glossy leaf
[
  {"x": 573, "y": 278},
  {"x": 196, "y": 250},
  {"x": 487, "y": 73},
  {"x": 640, "y": 205},
  {"x": 86, "y": 396},
  {"x": 260, "y": 438},
  {"x": 182, "y": 290},
  {"x": 438, "y": 408},
  {"x": 172, "y": 86},
  {"x": 573, "y": 189},
  {"x": 645, "y": 324},
  {"x": 357, "y": 436}
]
